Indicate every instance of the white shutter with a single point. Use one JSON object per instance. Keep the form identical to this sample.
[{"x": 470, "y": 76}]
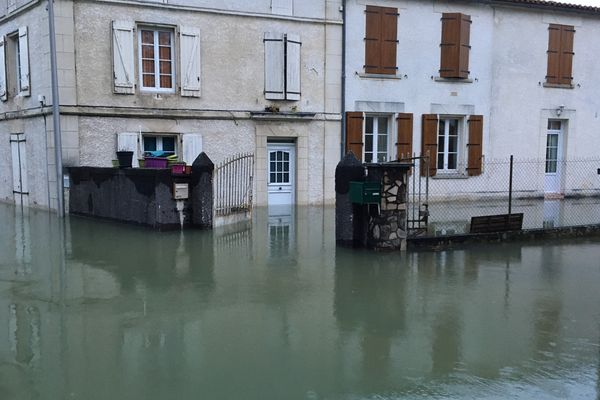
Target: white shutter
[
  {"x": 293, "y": 67},
  {"x": 19, "y": 168},
  {"x": 191, "y": 144},
  {"x": 24, "y": 83},
  {"x": 274, "y": 66},
  {"x": 3, "y": 91},
  {"x": 128, "y": 141},
  {"x": 123, "y": 64},
  {"x": 190, "y": 61},
  {"x": 16, "y": 165}
]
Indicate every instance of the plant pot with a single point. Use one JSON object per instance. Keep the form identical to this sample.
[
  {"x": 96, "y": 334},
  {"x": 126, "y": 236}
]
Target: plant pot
[
  {"x": 124, "y": 158},
  {"x": 142, "y": 162},
  {"x": 115, "y": 163}
]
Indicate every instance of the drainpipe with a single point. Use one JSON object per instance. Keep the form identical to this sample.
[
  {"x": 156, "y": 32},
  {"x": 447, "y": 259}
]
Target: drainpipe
[
  {"x": 343, "y": 102},
  {"x": 56, "y": 114}
]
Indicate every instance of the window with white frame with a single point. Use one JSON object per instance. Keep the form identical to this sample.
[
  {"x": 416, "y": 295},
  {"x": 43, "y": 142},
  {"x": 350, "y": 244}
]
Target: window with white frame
[
  {"x": 165, "y": 143},
  {"x": 14, "y": 64},
  {"x": 448, "y": 153},
  {"x": 376, "y": 138},
  {"x": 157, "y": 61}
]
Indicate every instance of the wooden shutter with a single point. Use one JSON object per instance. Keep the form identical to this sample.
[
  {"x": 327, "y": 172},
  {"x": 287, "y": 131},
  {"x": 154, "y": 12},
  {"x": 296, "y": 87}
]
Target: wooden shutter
[
  {"x": 566, "y": 54},
  {"x": 405, "y": 136},
  {"x": 373, "y": 40},
  {"x": 190, "y": 61},
  {"x": 191, "y": 144},
  {"x": 560, "y": 54},
  {"x": 429, "y": 127},
  {"x": 553, "y": 73},
  {"x": 3, "y": 90},
  {"x": 474, "y": 147},
  {"x": 354, "y": 133},
  {"x": 24, "y": 83},
  {"x": 389, "y": 40},
  {"x": 455, "y": 47},
  {"x": 274, "y": 66},
  {"x": 381, "y": 40},
  {"x": 128, "y": 141},
  {"x": 292, "y": 76},
  {"x": 19, "y": 163},
  {"x": 123, "y": 64}
]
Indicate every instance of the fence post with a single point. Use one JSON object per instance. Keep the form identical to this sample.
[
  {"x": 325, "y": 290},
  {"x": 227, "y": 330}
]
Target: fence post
[{"x": 510, "y": 184}]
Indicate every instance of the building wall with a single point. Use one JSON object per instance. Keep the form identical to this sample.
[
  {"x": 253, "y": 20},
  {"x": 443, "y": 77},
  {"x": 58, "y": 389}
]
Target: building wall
[
  {"x": 232, "y": 86},
  {"x": 508, "y": 65}
]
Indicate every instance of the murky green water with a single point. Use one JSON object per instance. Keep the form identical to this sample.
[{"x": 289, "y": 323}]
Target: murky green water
[{"x": 104, "y": 311}]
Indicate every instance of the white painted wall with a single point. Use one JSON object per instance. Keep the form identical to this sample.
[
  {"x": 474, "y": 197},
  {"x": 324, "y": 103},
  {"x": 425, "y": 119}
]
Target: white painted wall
[{"x": 508, "y": 63}]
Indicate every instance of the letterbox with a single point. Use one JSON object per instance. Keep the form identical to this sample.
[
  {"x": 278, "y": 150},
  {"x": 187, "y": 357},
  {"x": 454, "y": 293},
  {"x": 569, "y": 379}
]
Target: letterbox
[{"x": 365, "y": 192}]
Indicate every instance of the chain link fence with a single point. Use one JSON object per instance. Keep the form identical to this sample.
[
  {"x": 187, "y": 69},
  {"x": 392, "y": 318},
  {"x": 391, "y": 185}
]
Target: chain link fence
[{"x": 550, "y": 194}]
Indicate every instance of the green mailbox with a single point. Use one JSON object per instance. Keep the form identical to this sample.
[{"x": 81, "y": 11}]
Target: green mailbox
[{"x": 365, "y": 192}]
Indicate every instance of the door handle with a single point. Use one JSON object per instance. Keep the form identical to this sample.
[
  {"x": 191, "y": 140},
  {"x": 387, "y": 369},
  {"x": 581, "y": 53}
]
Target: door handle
[{"x": 279, "y": 187}]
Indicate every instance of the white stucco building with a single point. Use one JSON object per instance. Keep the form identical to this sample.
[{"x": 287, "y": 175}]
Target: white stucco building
[
  {"x": 180, "y": 76},
  {"x": 473, "y": 82}
]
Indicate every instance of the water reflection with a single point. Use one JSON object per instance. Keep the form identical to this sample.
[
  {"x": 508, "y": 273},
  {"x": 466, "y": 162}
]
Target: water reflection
[{"x": 95, "y": 310}]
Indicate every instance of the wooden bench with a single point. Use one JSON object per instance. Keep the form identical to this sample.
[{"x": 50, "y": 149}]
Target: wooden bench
[{"x": 496, "y": 223}]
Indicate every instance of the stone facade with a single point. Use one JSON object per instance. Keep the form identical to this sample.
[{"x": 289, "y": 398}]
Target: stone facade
[
  {"x": 387, "y": 228},
  {"x": 228, "y": 112}
]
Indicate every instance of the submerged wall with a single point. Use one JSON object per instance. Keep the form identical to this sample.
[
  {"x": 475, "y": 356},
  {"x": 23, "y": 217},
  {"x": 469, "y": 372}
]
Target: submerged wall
[{"x": 135, "y": 195}]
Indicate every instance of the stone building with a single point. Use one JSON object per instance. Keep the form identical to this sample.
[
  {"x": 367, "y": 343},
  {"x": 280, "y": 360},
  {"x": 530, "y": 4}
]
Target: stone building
[{"x": 181, "y": 76}]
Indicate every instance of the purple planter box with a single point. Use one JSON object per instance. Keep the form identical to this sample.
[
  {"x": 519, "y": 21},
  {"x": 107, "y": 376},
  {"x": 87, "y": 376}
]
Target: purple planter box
[{"x": 155, "y": 162}]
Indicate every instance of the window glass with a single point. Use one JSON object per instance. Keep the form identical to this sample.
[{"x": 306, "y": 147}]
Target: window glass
[
  {"x": 448, "y": 144},
  {"x": 149, "y": 143},
  {"x": 376, "y": 139},
  {"x": 156, "y": 58}
]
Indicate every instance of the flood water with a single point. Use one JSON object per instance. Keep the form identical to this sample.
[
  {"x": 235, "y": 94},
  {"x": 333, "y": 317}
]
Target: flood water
[{"x": 97, "y": 310}]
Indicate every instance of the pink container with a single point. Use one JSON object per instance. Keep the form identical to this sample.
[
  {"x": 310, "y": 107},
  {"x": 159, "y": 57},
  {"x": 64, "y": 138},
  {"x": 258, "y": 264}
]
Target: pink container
[
  {"x": 155, "y": 162},
  {"x": 178, "y": 168}
]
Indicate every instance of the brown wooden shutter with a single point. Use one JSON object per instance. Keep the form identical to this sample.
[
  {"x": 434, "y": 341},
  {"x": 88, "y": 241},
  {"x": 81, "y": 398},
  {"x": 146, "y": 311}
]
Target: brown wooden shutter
[
  {"x": 474, "y": 147},
  {"x": 553, "y": 73},
  {"x": 560, "y": 54},
  {"x": 381, "y": 40},
  {"x": 455, "y": 46},
  {"x": 566, "y": 54},
  {"x": 389, "y": 40},
  {"x": 354, "y": 133},
  {"x": 429, "y": 127},
  {"x": 373, "y": 40},
  {"x": 405, "y": 136}
]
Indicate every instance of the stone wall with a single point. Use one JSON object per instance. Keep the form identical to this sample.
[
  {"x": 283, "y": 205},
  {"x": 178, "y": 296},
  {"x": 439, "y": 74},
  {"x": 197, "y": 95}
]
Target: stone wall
[{"x": 387, "y": 227}]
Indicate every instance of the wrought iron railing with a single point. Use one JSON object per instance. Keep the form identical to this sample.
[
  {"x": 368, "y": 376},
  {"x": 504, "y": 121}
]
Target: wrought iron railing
[{"x": 233, "y": 180}]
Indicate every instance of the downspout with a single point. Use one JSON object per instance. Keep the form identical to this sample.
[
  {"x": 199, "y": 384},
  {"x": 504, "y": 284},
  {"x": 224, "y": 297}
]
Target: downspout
[
  {"x": 60, "y": 208},
  {"x": 343, "y": 102}
]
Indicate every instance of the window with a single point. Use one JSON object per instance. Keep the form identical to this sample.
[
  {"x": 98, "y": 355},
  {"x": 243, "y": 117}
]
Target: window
[
  {"x": 376, "y": 139},
  {"x": 443, "y": 142},
  {"x": 447, "y": 156},
  {"x": 279, "y": 167},
  {"x": 166, "y": 144},
  {"x": 560, "y": 54},
  {"x": 381, "y": 40},
  {"x": 14, "y": 64},
  {"x": 454, "y": 59},
  {"x": 156, "y": 59},
  {"x": 552, "y": 146},
  {"x": 372, "y": 135},
  {"x": 282, "y": 66}
]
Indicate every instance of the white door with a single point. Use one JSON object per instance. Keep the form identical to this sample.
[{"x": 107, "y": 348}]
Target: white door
[
  {"x": 281, "y": 173},
  {"x": 554, "y": 153}
]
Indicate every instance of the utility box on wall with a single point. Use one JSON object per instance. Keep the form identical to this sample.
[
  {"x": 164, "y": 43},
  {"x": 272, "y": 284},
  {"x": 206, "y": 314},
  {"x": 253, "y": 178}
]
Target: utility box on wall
[{"x": 365, "y": 192}]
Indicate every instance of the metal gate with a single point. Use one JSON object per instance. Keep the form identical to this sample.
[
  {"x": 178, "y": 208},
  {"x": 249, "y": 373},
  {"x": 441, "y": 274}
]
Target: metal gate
[
  {"x": 233, "y": 179},
  {"x": 418, "y": 196}
]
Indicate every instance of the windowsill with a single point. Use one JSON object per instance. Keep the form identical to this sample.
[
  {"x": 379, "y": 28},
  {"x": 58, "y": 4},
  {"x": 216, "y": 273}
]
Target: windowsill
[
  {"x": 558, "y": 85},
  {"x": 449, "y": 175},
  {"x": 379, "y": 76},
  {"x": 452, "y": 80},
  {"x": 282, "y": 116}
]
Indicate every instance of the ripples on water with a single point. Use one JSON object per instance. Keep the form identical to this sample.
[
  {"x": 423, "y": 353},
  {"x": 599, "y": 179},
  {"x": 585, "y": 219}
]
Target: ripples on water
[{"x": 97, "y": 310}]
